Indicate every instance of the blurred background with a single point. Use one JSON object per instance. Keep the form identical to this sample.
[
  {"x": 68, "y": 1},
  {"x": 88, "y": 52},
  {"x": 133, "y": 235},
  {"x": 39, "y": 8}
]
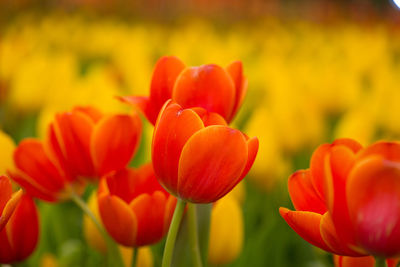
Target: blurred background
[{"x": 317, "y": 70}]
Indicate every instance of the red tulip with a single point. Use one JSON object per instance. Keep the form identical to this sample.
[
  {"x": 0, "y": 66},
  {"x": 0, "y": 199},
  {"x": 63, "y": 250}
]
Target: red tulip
[
  {"x": 369, "y": 261},
  {"x": 208, "y": 86},
  {"x": 134, "y": 208},
  {"x": 198, "y": 158},
  {"x": 89, "y": 144},
  {"x": 348, "y": 202},
  {"x": 8, "y": 200},
  {"x": 19, "y": 237},
  {"x": 37, "y": 173}
]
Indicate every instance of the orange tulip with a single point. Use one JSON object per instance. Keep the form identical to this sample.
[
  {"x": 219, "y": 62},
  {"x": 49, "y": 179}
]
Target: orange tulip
[
  {"x": 89, "y": 144},
  {"x": 19, "y": 237},
  {"x": 368, "y": 261},
  {"x": 8, "y": 200},
  {"x": 134, "y": 208},
  {"x": 198, "y": 158},
  {"x": 37, "y": 173},
  {"x": 348, "y": 201},
  {"x": 208, "y": 86}
]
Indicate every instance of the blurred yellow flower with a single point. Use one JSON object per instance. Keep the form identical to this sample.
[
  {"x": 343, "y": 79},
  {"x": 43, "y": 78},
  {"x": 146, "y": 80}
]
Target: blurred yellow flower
[
  {"x": 7, "y": 149},
  {"x": 48, "y": 260},
  {"x": 226, "y": 231}
]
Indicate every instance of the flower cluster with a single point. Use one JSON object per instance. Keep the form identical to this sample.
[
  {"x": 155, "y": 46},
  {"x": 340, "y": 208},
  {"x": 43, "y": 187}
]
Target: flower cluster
[{"x": 196, "y": 157}]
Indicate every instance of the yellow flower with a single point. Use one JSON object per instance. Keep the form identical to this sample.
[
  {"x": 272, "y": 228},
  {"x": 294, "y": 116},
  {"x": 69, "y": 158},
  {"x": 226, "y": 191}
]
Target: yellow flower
[
  {"x": 48, "y": 260},
  {"x": 7, "y": 149},
  {"x": 96, "y": 241},
  {"x": 226, "y": 231}
]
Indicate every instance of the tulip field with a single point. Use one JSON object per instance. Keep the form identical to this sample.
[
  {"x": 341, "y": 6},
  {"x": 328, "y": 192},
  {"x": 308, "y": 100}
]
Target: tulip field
[{"x": 198, "y": 140}]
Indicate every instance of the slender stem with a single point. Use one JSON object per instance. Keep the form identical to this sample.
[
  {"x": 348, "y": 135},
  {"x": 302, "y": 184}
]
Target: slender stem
[
  {"x": 172, "y": 233},
  {"x": 115, "y": 258},
  {"x": 135, "y": 252},
  {"x": 193, "y": 235},
  {"x": 380, "y": 262}
]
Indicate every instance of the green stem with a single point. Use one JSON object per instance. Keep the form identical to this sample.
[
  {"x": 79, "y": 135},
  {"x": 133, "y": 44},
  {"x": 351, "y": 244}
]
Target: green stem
[
  {"x": 135, "y": 252},
  {"x": 193, "y": 235},
  {"x": 380, "y": 262},
  {"x": 172, "y": 233},
  {"x": 114, "y": 258}
]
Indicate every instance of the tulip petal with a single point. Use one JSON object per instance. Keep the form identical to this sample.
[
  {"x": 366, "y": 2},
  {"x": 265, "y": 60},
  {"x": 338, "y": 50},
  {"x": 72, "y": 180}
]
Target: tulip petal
[
  {"x": 73, "y": 131},
  {"x": 143, "y": 104},
  {"x": 118, "y": 219},
  {"x": 210, "y": 118},
  {"x": 307, "y": 225},
  {"x": 114, "y": 141},
  {"x": 252, "y": 148},
  {"x": 235, "y": 70},
  {"x": 173, "y": 128},
  {"x": 32, "y": 187},
  {"x": 345, "y": 261},
  {"x": 31, "y": 158},
  {"x": 211, "y": 164},
  {"x": 165, "y": 74},
  {"x": 303, "y": 194},
  {"x": 9, "y": 208},
  {"x": 373, "y": 195},
  {"x": 388, "y": 150},
  {"x": 207, "y": 86},
  {"x": 317, "y": 163},
  {"x": 5, "y": 191},
  {"x": 24, "y": 236},
  {"x": 337, "y": 167},
  {"x": 149, "y": 211},
  {"x": 91, "y": 112},
  {"x": 331, "y": 239}
]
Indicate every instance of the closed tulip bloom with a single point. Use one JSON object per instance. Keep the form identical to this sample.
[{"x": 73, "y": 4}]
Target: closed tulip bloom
[
  {"x": 347, "y": 202},
  {"x": 198, "y": 158},
  {"x": 19, "y": 237},
  {"x": 8, "y": 200},
  {"x": 134, "y": 208},
  {"x": 226, "y": 231},
  {"x": 208, "y": 86},
  {"x": 96, "y": 240},
  {"x": 368, "y": 261},
  {"x": 38, "y": 174},
  {"x": 90, "y": 144}
]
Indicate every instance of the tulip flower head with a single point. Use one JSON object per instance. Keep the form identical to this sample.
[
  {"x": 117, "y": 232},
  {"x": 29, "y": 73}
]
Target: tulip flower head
[
  {"x": 90, "y": 144},
  {"x": 134, "y": 208},
  {"x": 208, "y": 86},
  {"x": 36, "y": 171},
  {"x": 198, "y": 158},
  {"x": 347, "y": 202},
  {"x": 19, "y": 236}
]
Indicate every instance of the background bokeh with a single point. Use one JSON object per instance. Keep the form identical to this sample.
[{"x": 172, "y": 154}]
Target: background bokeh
[{"x": 317, "y": 70}]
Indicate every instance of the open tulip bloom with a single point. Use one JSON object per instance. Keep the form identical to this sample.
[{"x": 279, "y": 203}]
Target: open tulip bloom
[
  {"x": 81, "y": 145},
  {"x": 209, "y": 86},
  {"x": 347, "y": 202}
]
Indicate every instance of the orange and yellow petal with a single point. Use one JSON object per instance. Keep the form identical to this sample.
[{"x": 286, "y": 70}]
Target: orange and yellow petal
[
  {"x": 211, "y": 164},
  {"x": 303, "y": 194},
  {"x": 207, "y": 86},
  {"x": 173, "y": 128},
  {"x": 114, "y": 141}
]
